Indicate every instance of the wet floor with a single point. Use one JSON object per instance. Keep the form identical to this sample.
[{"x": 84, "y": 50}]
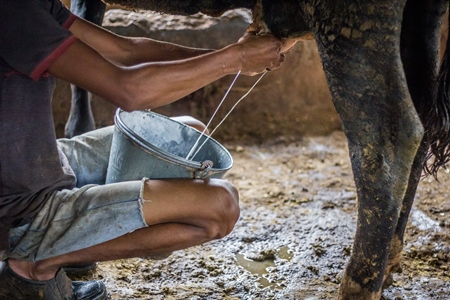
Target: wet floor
[{"x": 294, "y": 236}]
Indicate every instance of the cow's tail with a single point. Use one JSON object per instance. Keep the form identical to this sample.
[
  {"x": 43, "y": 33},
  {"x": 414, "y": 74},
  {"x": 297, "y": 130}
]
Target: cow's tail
[{"x": 437, "y": 122}]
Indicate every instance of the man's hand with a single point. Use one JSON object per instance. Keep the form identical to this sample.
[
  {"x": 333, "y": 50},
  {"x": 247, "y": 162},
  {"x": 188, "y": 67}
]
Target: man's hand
[{"x": 259, "y": 53}]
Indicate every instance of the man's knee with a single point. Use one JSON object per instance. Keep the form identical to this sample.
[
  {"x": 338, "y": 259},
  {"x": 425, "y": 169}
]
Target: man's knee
[
  {"x": 225, "y": 211},
  {"x": 193, "y": 122}
]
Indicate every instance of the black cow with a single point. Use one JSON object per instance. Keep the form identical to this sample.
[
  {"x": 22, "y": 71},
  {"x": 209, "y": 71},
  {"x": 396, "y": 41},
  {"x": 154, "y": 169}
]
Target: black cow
[
  {"x": 381, "y": 60},
  {"x": 81, "y": 118}
]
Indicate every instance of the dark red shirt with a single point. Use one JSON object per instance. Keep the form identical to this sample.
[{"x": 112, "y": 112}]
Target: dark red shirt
[{"x": 33, "y": 34}]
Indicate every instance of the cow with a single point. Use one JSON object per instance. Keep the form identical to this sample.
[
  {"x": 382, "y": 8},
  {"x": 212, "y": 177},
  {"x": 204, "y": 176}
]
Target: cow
[
  {"x": 381, "y": 60},
  {"x": 81, "y": 119}
]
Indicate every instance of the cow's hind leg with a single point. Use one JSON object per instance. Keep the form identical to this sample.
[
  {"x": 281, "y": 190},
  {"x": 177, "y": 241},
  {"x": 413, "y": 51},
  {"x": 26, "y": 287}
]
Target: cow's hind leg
[
  {"x": 81, "y": 119},
  {"x": 361, "y": 57},
  {"x": 420, "y": 41}
]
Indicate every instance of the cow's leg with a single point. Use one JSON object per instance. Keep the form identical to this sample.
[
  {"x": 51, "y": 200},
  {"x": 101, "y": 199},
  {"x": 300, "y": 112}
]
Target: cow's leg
[
  {"x": 81, "y": 118},
  {"x": 359, "y": 46},
  {"x": 420, "y": 41}
]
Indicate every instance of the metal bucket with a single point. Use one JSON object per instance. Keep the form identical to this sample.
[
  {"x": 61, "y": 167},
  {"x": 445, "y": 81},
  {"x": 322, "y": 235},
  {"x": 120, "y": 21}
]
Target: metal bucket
[{"x": 147, "y": 144}]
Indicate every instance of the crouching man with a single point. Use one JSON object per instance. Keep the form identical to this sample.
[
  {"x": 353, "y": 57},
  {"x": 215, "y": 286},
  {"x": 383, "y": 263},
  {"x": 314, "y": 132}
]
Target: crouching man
[{"x": 55, "y": 208}]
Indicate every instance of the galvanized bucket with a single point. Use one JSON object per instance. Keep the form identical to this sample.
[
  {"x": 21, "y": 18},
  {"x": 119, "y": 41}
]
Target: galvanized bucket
[{"x": 147, "y": 144}]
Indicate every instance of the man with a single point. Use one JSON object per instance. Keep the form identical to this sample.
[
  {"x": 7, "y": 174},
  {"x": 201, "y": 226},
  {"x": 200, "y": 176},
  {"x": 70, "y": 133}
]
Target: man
[{"x": 55, "y": 209}]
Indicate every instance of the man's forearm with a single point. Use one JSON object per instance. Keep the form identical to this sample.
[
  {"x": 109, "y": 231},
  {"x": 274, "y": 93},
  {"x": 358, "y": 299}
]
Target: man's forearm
[
  {"x": 142, "y": 50},
  {"x": 129, "y": 51}
]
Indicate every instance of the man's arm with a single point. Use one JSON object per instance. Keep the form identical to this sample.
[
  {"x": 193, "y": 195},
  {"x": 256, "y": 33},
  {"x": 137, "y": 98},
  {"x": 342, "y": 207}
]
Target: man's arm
[
  {"x": 129, "y": 51},
  {"x": 135, "y": 84}
]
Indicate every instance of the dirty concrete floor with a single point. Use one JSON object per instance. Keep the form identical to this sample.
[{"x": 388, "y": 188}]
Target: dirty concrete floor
[{"x": 294, "y": 236}]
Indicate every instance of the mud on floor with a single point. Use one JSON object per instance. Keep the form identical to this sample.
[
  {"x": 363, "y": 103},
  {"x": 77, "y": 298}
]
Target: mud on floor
[{"x": 294, "y": 236}]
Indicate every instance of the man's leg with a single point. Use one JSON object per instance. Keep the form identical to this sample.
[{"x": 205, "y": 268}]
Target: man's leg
[
  {"x": 193, "y": 122},
  {"x": 180, "y": 213}
]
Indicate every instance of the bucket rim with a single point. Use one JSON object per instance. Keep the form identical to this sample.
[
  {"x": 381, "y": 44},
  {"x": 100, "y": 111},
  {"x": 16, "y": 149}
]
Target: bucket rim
[{"x": 127, "y": 132}]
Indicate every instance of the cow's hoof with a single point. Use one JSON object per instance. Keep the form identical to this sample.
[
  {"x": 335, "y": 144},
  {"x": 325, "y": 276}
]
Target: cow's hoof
[
  {"x": 388, "y": 277},
  {"x": 351, "y": 290},
  {"x": 394, "y": 263}
]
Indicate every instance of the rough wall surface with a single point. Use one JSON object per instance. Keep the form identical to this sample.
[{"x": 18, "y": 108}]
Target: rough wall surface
[{"x": 290, "y": 102}]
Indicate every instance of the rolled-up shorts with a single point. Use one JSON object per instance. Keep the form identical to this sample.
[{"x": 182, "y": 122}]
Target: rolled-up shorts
[{"x": 90, "y": 214}]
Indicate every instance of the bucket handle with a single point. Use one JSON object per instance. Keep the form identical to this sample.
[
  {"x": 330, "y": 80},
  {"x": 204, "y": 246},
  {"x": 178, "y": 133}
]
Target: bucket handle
[{"x": 204, "y": 169}]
